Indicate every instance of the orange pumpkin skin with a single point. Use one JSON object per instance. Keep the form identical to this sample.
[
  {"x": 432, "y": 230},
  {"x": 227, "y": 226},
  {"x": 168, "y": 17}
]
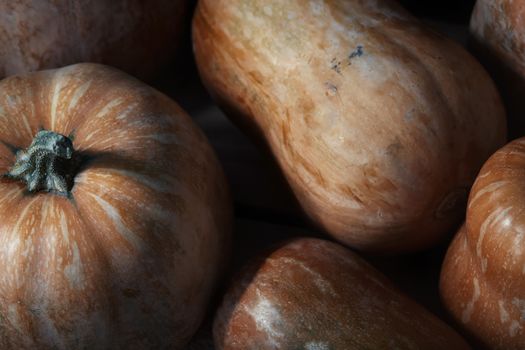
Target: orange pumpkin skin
[
  {"x": 314, "y": 294},
  {"x": 482, "y": 282},
  {"x": 130, "y": 259},
  {"x": 137, "y": 36},
  {"x": 379, "y": 125},
  {"x": 498, "y": 32}
]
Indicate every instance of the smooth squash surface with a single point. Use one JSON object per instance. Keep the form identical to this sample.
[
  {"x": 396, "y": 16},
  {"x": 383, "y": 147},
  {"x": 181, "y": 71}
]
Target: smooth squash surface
[{"x": 379, "y": 125}]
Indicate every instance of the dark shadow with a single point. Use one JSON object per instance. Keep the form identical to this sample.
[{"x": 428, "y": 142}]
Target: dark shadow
[
  {"x": 510, "y": 83},
  {"x": 442, "y": 10}
]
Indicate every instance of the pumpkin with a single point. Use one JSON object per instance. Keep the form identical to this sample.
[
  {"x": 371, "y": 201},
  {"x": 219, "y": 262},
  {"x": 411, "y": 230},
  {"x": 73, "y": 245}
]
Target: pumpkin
[
  {"x": 314, "y": 294},
  {"x": 497, "y": 29},
  {"x": 482, "y": 282},
  {"x": 134, "y": 35},
  {"x": 114, "y": 214},
  {"x": 379, "y": 125}
]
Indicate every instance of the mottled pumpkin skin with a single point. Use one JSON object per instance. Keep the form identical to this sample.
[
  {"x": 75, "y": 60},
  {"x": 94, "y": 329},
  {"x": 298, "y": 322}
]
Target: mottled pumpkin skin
[
  {"x": 129, "y": 261},
  {"x": 379, "y": 125},
  {"x": 137, "y": 36},
  {"x": 482, "y": 279},
  {"x": 316, "y": 295},
  {"x": 498, "y": 38}
]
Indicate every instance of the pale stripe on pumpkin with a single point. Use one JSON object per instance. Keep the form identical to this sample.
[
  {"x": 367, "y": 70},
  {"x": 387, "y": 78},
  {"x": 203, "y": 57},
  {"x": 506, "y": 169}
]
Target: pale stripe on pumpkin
[
  {"x": 494, "y": 218},
  {"x": 267, "y": 318},
  {"x": 74, "y": 272},
  {"x": 115, "y": 217},
  {"x": 469, "y": 309},
  {"x": 166, "y": 184},
  {"x": 22, "y": 218},
  {"x": 79, "y": 93},
  {"x": 103, "y": 113},
  {"x": 320, "y": 281},
  {"x": 487, "y": 189},
  {"x": 58, "y": 82},
  {"x": 8, "y": 195},
  {"x": 65, "y": 228},
  {"x": 126, "y": 112}
]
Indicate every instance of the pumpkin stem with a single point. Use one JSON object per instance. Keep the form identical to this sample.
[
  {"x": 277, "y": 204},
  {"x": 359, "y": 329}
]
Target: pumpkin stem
[{"x": 48, "y": 164}]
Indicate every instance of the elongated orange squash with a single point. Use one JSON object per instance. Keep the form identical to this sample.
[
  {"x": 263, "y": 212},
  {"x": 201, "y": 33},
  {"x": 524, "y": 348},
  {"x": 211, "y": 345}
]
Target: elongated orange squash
[{"x": 379, "y": 125}]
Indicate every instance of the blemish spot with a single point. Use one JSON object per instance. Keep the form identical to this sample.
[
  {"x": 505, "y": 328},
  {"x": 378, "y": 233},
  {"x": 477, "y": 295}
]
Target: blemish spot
[
  {"x": 317, "y": 7},
  {"x": 331, "y": 89},
  {"x": 410, "y": 114},
  {"x": 336, "y": 65},
  {"x": 358, "y": 52}
]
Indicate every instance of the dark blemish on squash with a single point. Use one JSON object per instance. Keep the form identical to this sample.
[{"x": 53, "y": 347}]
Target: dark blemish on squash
[
  {"x": 394, "y": 149},
  {"x": 336, "y": 65},
  {"x": 410, "y": 114},
  {"x": 331, "y": 89},
  {"x": 358, "y": 52}
]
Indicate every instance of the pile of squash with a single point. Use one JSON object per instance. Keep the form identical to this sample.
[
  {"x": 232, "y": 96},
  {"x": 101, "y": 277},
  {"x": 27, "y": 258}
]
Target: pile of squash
[{"x": 116, "y": 218}]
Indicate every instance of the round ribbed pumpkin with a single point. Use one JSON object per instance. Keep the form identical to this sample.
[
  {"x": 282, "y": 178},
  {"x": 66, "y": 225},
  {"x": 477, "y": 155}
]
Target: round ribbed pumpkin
[
  {"x": 114, "y": 214},
  {"x": 137, "y": 36},
  {"x": 316, "y": 295},
  {"x": 482, "y": 279},
  {"x": 379, "y": 125}
]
